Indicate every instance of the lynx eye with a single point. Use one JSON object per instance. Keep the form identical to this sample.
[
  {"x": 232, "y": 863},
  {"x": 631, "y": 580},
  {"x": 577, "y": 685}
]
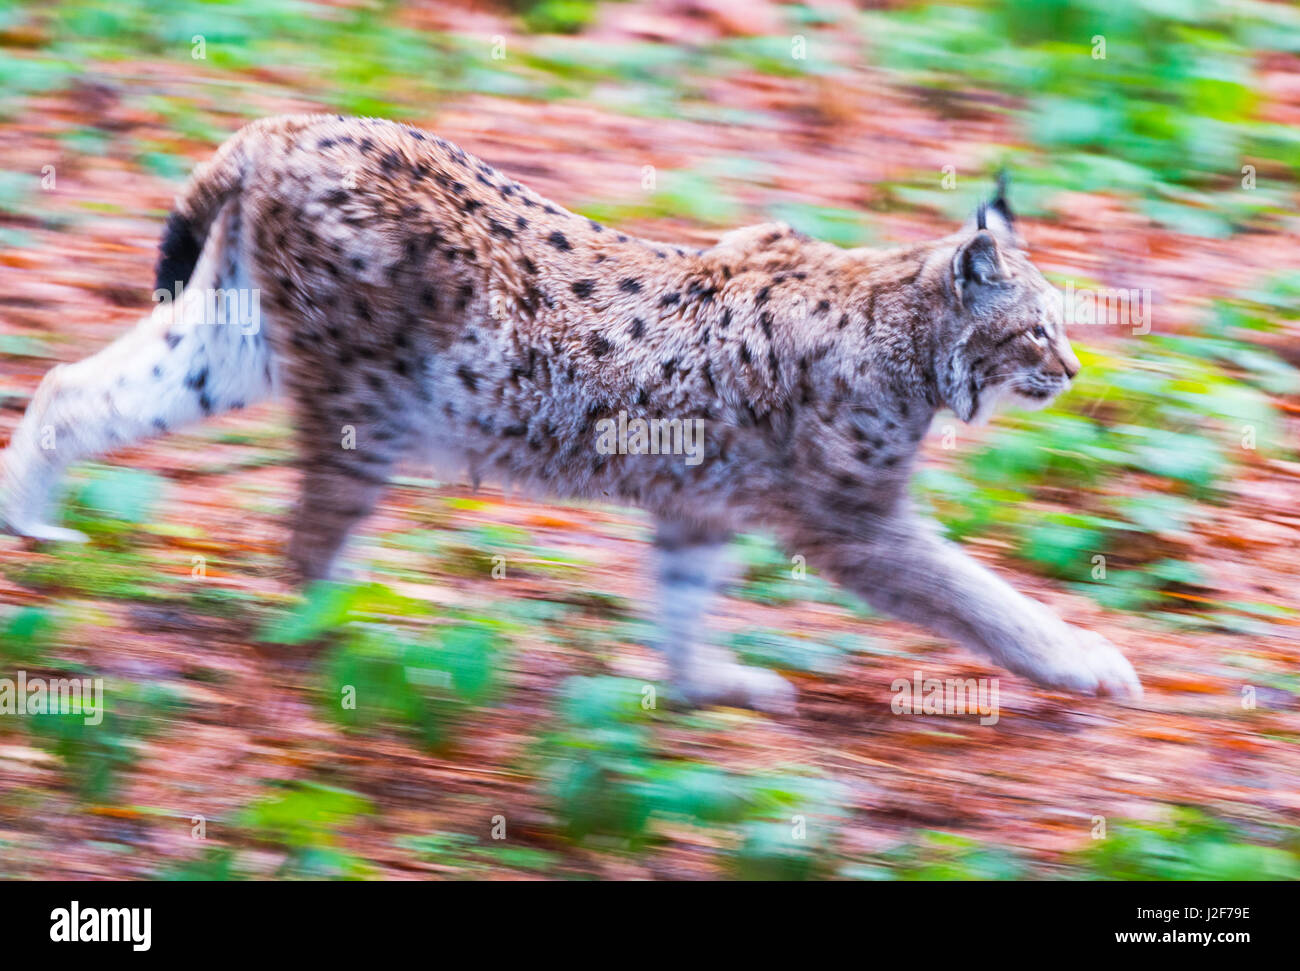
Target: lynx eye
[{"x": 1040, "y": 333}]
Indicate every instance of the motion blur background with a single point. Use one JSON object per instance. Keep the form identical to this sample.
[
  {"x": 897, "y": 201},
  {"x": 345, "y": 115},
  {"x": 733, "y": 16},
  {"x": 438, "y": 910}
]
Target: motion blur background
[{"x": 1156, "y": 502}]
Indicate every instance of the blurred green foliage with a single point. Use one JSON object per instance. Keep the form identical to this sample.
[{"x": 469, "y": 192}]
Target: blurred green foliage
[
  {"x": 96, "y": 752},
  {"x": 1191, "y": 846},
  {"x": 469, "y": 857},
  {"x": 297, "y": 824},
  {"x": 934, "y": 855},
  {"x": 26, "y": 634},
  {"x": 305, "y": 820},
  {"x": 429, "y": 683},
  {"x": 1150, "y": 99},
  {"x": 381, "y": 671},
  {"x": 609, "y": 781},
  {"x": 109, "y": 501},
  {"x": 556, "y": 16}
]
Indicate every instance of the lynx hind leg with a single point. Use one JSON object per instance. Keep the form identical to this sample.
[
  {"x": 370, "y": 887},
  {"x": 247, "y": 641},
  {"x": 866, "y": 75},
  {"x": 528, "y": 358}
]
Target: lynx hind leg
[
  {"x": 692, "y": 565},
  {"x": 176, "y": 366}
]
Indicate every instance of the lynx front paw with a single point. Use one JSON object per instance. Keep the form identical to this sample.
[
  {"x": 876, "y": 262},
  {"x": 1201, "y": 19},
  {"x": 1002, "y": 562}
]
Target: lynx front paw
[
  {"x": 1112, "y": 670},
  {"x": 1086, "y": 663}
]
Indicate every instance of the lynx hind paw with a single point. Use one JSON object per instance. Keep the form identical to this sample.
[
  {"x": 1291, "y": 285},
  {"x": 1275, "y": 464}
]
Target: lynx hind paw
[
  {"x": 21, "y": 518},
  {"x": 43, "y": 532},
  {"x": 14, "y": 524}
]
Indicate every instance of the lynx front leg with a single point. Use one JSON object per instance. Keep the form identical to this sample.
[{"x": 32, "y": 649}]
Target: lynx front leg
[
  {"x": 691, "y": 566},
  {"x": 899, "y": 565},
  {"x": 347, "y": 450},
  {"x": 333, "y": 501}
]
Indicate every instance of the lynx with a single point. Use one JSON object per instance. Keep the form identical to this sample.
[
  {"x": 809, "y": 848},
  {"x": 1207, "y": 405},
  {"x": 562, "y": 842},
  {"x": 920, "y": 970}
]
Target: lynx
[{"x": 414, "y": 303}]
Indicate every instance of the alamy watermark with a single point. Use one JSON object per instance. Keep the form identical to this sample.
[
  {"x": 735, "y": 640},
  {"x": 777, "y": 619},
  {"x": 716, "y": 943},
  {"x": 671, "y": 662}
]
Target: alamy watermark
[
  {"x": 53, "y": 696},
  {"x": 946, "y": 696},
  {"x": 1107, "y": 307},
  {"x": 77, "y": 924},
  {"x": 651, "y": 436},
  {"x": 219, "y": 306}
]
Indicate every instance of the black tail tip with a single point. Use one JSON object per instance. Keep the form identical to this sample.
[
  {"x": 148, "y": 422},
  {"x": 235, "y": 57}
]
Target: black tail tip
[{"x": 177, "y": 254}]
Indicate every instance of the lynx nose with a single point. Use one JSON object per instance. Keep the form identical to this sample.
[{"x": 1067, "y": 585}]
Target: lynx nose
[{"x": 1069, "y": 362}]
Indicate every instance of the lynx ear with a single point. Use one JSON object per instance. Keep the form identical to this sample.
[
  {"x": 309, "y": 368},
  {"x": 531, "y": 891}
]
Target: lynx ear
[{"x": 977, "y": 264}]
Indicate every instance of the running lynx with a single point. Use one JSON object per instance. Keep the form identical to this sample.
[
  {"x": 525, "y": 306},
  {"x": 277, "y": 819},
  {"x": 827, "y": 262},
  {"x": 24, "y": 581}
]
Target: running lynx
[{"x": 416, "y": 299}]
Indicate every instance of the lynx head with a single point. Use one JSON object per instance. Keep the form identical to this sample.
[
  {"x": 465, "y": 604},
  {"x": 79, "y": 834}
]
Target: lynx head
[{"x": 1004, "y": 330}]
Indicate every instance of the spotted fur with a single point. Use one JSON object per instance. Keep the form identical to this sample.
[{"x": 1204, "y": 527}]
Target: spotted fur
[{"x": 429, "y": 305}]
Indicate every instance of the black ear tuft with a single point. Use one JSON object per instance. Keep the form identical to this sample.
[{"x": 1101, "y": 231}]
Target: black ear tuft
[
  {"x": 982, "y": 216},
  {"x": 1000, "y": 205}
]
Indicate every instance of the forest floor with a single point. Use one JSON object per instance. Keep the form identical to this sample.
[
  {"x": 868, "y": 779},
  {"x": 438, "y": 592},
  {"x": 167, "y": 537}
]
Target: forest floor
[{"x": 243, "y": 714}]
